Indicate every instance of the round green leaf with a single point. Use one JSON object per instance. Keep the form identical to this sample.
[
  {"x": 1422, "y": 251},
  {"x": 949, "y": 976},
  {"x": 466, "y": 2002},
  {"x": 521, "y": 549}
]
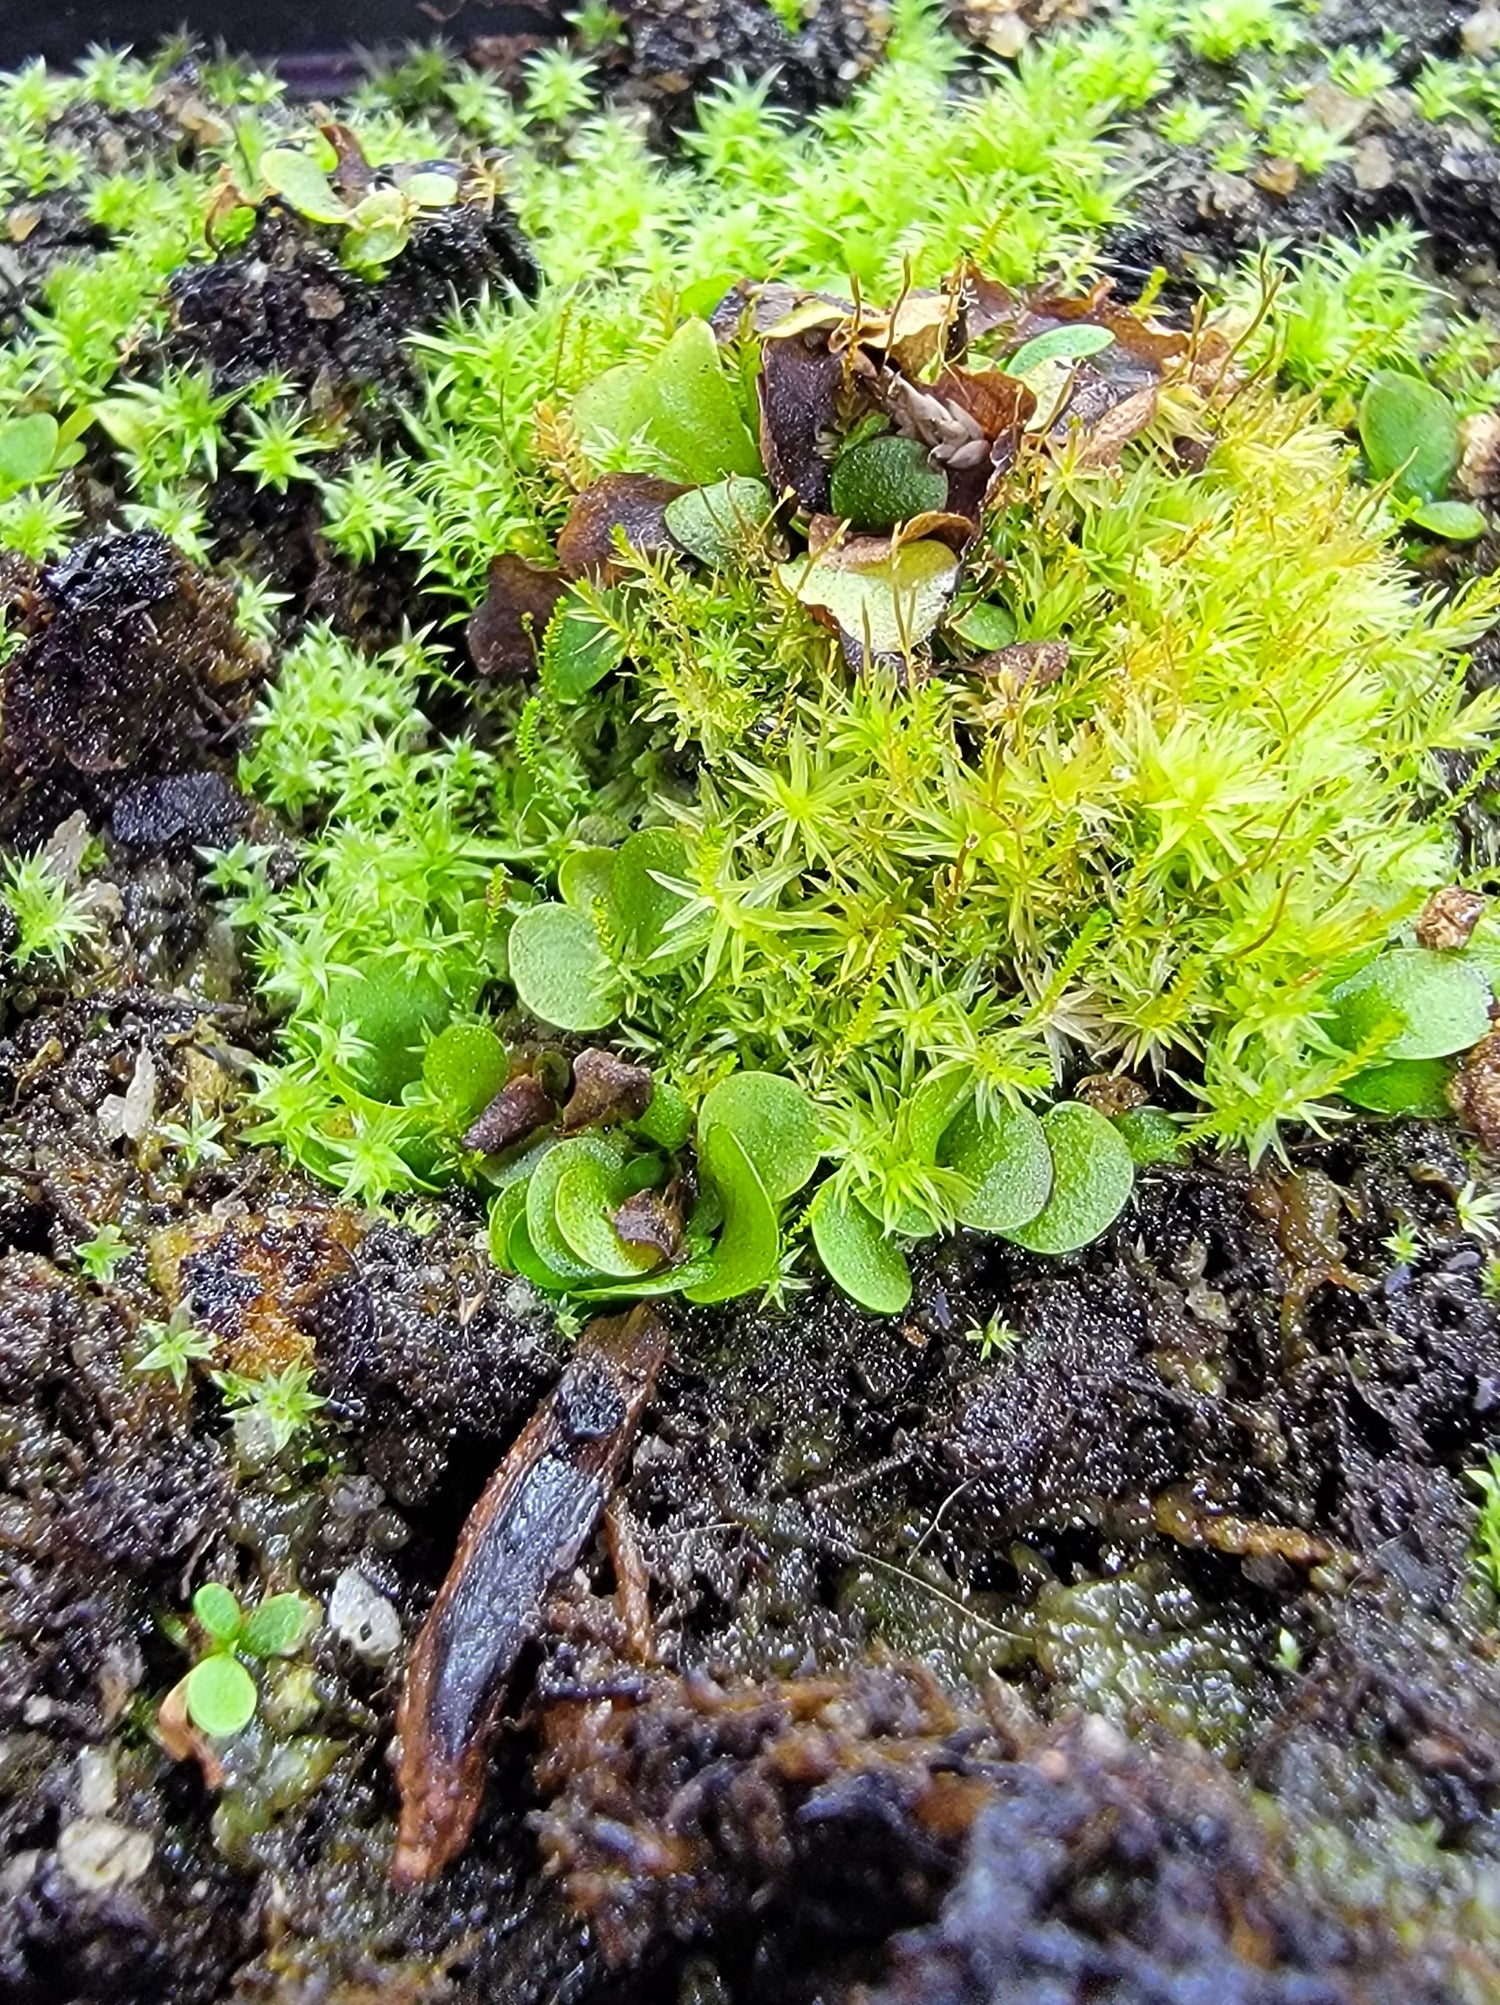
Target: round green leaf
[
  {"x": 302, "y": 184},
  {"x": 1092, "y": 1175},
  {"x": 885, "y": 481},
  {"x": 218, "y": 1611},
  {"x": 586, "y": 876},
  {"x": 579, "y": 648},
  {"x": 463, "y": 1069},
  {"x": 1437, "y": 1003},
  {"x": 748, "y": 1252},
  {"x": 560, "y": 971},
  {"x": 280, "y": 1625},
  {"x": 394, "y": 1011},
  {"x": 221, "y": 1696},
  {"x": 885, "y": 603},
  {"x": 715, "y": 523},
  {"x": 587, "y": 1192},
  {"x": 1456, "y": 521},
  {"x": 28, "y": 447},
  {"x": 1059, "y": 344},
  {"x": 1409, "y": 432},
  {"x": 1415, "y": 1087},
  {"x": 506, "y": 1210},
  {"x": 542, "y": 1228},
  {"x": 668, "y": 1119},
  {"x": 986, "y": 626},
  {"x": 529, "y": 1264},
  {"x": 775, "y": 1124},
  {"x": 1007, "y": 1163},
  {"x": 1151, "y": 1135},
  {"x": 643, "y": 905},
  {"x": 865, "y": 1263},
  {"x": 932, "y": 1109}
]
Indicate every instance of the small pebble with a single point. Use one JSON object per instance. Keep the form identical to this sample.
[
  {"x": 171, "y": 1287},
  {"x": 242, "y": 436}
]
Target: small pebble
[
  {"x": 96, "y": 1853},
  {"x": 1373, "y": 168},
  {"x": 1480, "y": 34},
  {"x": 362, "y": 1617}
]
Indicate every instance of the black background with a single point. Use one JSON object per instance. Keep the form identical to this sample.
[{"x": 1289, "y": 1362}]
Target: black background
[{"x": 61, "y": 30}]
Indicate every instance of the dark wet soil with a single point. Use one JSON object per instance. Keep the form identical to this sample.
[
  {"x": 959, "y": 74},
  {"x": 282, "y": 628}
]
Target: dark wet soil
[{"x": 1131, "y": 1655}]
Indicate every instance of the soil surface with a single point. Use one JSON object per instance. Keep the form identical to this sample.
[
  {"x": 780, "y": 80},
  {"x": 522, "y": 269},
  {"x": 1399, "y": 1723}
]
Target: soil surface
[{"x": 1131, "y": 1654}]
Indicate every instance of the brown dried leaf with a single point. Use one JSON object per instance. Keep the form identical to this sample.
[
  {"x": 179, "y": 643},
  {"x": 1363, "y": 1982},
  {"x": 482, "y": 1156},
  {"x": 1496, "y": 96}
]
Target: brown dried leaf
[
  {"x": 1449, "y": 917},
  {"x": 606, "y": 1089},
  {"x": 353, "y": 175},
  {"x": 505, "y": 629},
  {"x": 181, "y": 1740},
  {"x": 653, "y": 1219},
  {"x": 1474, "y": 1090},
  {"x": 520, "y": 1108},
  {"x": 798, "y": 389},
  {"x": 1025, "y": 664},
  {"x": 1107, "y": 437},
  {"x": 632, "y": 505},
  {"x": 256, "y": 1281}
]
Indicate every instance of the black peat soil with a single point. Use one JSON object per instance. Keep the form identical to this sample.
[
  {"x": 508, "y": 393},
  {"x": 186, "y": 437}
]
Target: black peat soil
[{"x": 1131, "y": 1655}]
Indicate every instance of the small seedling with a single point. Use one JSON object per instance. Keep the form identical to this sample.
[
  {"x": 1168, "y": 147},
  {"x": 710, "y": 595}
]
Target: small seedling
[
  {"x": 175, "y": 1346},
  {"x": 220, "y": 1693},
  {"x": 1409, "y": 431},
  {"x": 100, "y": 1256},
  {"x": 282, "y": 1403},
  {"x": 1404, "y": 1245},
  {"x": 1485, "y": 1544},
  {"x": 52, "y": 920}
]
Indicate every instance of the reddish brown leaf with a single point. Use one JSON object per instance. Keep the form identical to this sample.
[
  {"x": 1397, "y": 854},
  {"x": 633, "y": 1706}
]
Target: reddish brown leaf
[
  {"x": 519, "y": 1109},
  {"x": 628, "y": 505},
  {"x": 606, "y": 1089},
  {"x": 798, "y": 389},
  {"x": 1025, "y": 664},
  {"x": 1449, "y": 917},
  {"x": 506, "y": 627},
  {"x": 652, "y": 1219},
  {"x": 353, "y": 175}
]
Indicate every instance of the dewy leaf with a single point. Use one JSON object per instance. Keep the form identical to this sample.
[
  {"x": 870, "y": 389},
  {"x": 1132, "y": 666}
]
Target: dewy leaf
[
  {"x": 1456, "y": 521},
  {"x": 680, "y": 402},
  {"x": 885, "y": 602},
  {"x": 218, "y": 1611},
  {"x": 1092, "y": 1176},
  {"x": 863, "y": 1261},
  {"x": 774, "y": 1122},
  {"x": 1059, "y": 344},
  {"x": 28, "y": 447},
  {"x": 668, "y": 1121},
  {"x": 560, "y": 971},
  {"x": 221, "y": 1696},
  {"x": 587, "y": 1192},
  {"x": 1438, "y": 1004},
  {"x": 1409, "y": 432},
  {"x": 748, "y": 1252},
  {"x": 1416, "y": 1087},
  {"x": 1007, "y": 1164},
  {"x": 586, "y": 877},
  {"x": 643, "y": 905},
  {"x": 430, "y": 188},
  {"x": 932, "y": 1109},
  {"x": 985, "y": 626},
  {"x": 393, "y": 1011},
  {"x": 302, "y": 184},
  {"x": 580, "y": 648},
  {"x": 1151, "y": 1135},
  {"x": 464, "y": 1067},
  {"x": 543, "y": 1229},
  {"x": 697, "y": 419},
  {"x": 716, "y": 523},
  {"x": 280, "y": 1625},
  {"x": 886, "y": 481}
]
